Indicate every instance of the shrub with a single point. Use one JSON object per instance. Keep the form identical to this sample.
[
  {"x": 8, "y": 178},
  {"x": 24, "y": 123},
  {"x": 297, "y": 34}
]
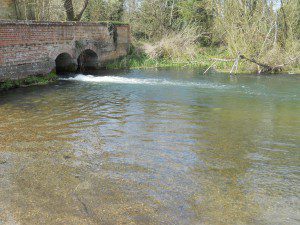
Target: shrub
[{"x": 175, "y": 46}]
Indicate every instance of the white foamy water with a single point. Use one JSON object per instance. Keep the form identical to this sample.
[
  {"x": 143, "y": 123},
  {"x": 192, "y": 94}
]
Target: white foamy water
[{"x": 143, "y": 81}]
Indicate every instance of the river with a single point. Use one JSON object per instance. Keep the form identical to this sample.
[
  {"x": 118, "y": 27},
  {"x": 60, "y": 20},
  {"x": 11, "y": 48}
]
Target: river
[{"x": 152, "y": 147}]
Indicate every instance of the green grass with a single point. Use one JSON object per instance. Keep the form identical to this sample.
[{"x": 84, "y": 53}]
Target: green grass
[
  {"x": 204, "y": 59},
  {"x": 29, "y": 81},
  {"x": 136, "y": 60}
]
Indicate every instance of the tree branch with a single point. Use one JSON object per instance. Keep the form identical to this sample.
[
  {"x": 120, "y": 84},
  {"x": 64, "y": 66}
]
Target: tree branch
[{"x": 78, "y": 17}]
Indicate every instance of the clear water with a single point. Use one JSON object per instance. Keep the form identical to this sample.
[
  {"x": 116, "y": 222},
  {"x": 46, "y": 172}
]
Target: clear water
[{"x": 152, "y": 147}]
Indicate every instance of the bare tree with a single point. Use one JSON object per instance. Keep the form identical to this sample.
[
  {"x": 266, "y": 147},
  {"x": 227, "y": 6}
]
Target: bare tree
[{"x": 68, "y": 4}]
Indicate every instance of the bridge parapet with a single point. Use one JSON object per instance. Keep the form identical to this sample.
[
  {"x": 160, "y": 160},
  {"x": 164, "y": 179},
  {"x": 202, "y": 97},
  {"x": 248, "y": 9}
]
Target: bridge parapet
[{"x": 32, "y": 48}]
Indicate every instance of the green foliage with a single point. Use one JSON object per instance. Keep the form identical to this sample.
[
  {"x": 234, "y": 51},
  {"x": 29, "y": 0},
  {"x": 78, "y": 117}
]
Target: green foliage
[
  {"x": 259, "y": 31},
  {"x": 98, "y": 10},
  {"x": 196, "y": 13},
  {"x": 31, "y": 80},
  {"x": 137, "y": 59}
]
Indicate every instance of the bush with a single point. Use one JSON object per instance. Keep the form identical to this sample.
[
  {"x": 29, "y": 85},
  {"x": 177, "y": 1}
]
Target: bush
[{"x": 176, "y": 46}]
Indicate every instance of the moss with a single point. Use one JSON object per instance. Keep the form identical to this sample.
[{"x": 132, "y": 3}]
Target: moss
[
  {"x": 113, "y": 32},
  {"x": 114, "y": 22},
  {"x": 29, "y": 81},
  {"x": 79, "y": 44}
]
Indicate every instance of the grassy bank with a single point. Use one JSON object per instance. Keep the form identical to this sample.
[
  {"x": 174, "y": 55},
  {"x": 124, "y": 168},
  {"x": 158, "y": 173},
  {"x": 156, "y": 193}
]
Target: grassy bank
[
  {"x": 137, "y": 59},
  {"x": 29, "y": 81},
  {"x": 171, "y": 54}
]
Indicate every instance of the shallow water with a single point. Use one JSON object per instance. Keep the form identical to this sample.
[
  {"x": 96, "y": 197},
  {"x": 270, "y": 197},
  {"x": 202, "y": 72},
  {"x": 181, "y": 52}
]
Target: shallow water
[{"x": 152, "y": 147}]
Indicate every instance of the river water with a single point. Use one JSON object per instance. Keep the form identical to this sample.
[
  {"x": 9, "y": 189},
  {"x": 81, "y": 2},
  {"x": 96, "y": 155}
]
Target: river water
[{"x": 152, "y": 147}]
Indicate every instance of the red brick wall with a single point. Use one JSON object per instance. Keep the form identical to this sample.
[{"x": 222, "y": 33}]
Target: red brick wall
[{"x": 24, "y": 43}]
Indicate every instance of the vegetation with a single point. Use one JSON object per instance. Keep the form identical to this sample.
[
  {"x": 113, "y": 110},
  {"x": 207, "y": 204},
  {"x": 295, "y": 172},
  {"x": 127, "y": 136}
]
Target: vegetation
[
  {"x": 250, "y": 35},
  {"x": 254, "y": 36},
  {"x": 138, "y": 58},
  {"x": 32, "y": 80}
]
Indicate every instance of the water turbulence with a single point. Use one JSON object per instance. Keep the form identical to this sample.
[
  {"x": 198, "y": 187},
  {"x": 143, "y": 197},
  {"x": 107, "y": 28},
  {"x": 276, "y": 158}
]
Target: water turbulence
[
  {"x": 151, "y": 147},
  {"x": 140, "y": 81}
]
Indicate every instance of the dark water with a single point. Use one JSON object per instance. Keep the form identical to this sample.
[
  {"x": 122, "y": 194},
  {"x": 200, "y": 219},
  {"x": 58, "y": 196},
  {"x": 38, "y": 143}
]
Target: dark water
[{"x": 152, "y": 147}]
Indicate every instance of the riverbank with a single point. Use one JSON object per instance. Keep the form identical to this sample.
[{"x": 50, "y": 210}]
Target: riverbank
[
  {"x": 29, "y": 81},
  {"x": 209, "y": 59}
]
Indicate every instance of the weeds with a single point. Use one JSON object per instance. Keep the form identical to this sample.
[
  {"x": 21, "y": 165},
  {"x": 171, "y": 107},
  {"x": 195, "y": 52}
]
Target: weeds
[{"x": 31, "y": 80}]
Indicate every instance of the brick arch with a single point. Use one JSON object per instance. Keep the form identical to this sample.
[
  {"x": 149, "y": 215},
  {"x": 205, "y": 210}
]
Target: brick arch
[
  {"x": 88, "y": 47},
  {"x": 88, "y": 59},
  {"x": 64, "y": 62},
  {"x": 54, "y": 54},
  {"x": 57, "y": 51}
]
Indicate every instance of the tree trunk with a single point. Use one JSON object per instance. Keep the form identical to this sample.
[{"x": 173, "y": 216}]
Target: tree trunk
[
  {"x": 78, "y": 17},
  {"x": 69, "y": 10},
  {"x": 68, "y": 4}
]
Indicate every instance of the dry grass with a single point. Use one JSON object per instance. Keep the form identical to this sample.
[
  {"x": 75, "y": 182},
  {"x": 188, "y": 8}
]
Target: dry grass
[{"x": 174, "y": 46}]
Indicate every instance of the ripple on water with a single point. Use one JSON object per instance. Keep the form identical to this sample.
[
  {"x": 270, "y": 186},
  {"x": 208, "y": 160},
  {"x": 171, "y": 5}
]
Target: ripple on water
[{"x": 158, "y": 147}]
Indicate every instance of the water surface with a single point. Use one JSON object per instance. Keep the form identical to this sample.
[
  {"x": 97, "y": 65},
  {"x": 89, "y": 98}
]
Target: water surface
[{"x": 152, "y": 147}]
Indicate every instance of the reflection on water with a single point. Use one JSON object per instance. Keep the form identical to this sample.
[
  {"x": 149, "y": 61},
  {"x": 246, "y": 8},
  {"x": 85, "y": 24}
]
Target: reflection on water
[{"x": 151, "y": 147}]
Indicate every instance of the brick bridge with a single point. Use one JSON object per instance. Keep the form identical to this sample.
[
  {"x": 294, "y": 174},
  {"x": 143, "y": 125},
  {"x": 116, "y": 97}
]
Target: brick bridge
[{"x": 37, "y": 48}]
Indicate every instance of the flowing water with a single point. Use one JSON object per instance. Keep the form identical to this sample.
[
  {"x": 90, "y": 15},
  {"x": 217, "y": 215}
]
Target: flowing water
[{"x": 152, "y": 147}]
